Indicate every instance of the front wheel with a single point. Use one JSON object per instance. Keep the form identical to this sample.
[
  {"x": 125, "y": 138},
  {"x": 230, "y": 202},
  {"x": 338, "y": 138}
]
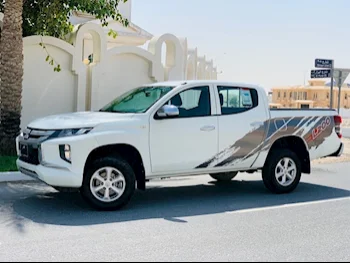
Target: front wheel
[
  {"x": 108, "y": 184},
  {"x": 224, "y": 177},
  {"x": 282, "y": 171}
]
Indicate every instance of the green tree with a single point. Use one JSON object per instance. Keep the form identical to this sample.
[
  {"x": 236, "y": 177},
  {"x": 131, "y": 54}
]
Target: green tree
[
  {"x": 35, "y": 17},
  {"x": 11, "y": 74},
  {"x": 51, "y": 17}
]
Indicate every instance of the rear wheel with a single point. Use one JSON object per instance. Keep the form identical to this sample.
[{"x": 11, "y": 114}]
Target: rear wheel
[
  {"x": 282, "y": 171},
  {"x": 224, "y": 177},
  {"x": 108, "y": 184}
]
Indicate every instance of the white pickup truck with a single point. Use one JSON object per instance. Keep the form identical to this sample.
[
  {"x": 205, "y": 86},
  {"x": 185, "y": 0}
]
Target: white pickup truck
[{"x": 176, "y": 129}]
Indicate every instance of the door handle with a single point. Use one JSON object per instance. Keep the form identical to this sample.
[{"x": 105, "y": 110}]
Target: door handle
[{"x": 208, "y": 128}]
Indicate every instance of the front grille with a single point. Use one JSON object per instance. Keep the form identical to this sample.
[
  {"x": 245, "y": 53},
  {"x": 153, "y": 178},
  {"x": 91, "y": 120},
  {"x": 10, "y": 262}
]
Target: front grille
[
  {"x": 33, "y": 156},
  {"x": 32, "y": 138}
]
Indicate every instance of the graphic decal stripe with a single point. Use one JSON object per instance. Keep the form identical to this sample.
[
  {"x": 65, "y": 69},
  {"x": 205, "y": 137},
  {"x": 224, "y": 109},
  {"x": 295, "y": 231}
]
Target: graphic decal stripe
[{"x": 250, "y": 145}]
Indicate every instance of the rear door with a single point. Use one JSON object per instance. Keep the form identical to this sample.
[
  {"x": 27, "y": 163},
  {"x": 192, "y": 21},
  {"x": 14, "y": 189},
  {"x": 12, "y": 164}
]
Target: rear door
[{"x": 243, "y": 122}]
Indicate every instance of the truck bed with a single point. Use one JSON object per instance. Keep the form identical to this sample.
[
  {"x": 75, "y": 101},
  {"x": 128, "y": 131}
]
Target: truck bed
[{"x": 293, "y": 109}]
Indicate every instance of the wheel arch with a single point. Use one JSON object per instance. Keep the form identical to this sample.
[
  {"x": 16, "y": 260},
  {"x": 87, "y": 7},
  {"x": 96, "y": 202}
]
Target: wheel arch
[
  {"x": 295, "y": 144},
  {"x": 126, "y": 151}
]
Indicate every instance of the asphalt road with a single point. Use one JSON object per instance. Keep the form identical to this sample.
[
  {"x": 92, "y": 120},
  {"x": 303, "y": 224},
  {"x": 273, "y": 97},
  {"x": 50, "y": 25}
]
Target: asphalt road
[{"x": 187, "y": 219}]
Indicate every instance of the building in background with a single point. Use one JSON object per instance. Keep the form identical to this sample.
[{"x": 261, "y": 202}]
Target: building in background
[
  {"x": 196, "y": 65},
  {"x": 269, "y": 96},
  {"x": 314, "y": 95},
  {"x": 131, "y": 35}
]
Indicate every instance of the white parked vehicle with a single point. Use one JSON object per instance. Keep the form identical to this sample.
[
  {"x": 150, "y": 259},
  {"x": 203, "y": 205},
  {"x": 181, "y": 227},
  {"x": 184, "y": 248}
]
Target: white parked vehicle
[{"x": 176, "y": 129}]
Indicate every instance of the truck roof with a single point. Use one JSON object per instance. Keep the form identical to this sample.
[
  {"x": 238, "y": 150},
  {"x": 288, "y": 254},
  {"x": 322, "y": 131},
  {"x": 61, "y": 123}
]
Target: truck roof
[{"x": 203, "y": 82}]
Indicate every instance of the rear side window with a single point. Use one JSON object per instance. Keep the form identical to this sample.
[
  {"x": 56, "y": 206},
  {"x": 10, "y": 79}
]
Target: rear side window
[{"x": 235, "y": 100}]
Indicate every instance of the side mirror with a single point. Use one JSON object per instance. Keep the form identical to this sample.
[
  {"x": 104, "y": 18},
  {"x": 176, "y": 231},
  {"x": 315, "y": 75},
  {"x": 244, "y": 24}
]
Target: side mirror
[{"x": 168, "y": 111}]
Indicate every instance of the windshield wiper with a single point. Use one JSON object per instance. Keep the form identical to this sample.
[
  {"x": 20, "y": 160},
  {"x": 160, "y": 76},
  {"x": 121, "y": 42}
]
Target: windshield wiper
[{"x": 112, "y": 111}]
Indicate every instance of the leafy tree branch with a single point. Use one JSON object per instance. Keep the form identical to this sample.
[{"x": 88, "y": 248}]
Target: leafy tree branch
[{"x": 52, "y": 17}]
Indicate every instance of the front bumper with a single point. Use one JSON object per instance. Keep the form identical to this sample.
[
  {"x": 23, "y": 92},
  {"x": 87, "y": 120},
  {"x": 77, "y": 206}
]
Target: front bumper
[
  {"x": 43, "y": 161},
  {"x": 53, "y": 176}
]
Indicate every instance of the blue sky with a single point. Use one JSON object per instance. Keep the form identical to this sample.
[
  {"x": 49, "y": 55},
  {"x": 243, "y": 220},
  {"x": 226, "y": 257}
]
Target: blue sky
[{"x": 268, "y": 42}]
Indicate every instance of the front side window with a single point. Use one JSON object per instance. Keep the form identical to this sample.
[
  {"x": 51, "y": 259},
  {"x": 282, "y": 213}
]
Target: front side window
[
  {"x": 194, "y": 102},
  {"x": 138, "y": 100},
  {"x": 235, "y": 100}
]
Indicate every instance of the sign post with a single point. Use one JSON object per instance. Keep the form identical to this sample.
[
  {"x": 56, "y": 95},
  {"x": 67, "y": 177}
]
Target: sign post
[
  {"x": 332, "y": 85},
  {"x": 321, "y": 73},
  {"x": 339, "y": 90},
  {"x": 326, "y": 64},
  {"x": 340, "y": 74}
]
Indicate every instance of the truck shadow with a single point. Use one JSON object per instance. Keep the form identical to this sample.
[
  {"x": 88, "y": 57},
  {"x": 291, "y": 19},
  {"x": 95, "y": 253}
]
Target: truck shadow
[{"x": 169, "y": 203}]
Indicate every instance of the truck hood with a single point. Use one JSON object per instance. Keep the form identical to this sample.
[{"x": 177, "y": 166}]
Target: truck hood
[{"x": 77, "y": 120}]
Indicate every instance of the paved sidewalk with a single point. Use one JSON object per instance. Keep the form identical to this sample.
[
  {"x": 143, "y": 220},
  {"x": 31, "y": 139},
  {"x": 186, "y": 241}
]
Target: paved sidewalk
[{"x": 14, "y": 177}]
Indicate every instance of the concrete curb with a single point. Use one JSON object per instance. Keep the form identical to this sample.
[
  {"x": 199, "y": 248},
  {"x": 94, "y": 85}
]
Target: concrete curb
[{"x": 11, "y": 177}]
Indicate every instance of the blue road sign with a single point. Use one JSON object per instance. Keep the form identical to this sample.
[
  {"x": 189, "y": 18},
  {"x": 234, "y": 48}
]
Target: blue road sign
[
  {"x": 321, "y": 73},
  {"x": 323, "y": 63}
]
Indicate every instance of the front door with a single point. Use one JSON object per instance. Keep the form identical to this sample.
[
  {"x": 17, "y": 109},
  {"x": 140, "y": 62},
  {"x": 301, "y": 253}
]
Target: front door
[{"x": 181, "y": 144}]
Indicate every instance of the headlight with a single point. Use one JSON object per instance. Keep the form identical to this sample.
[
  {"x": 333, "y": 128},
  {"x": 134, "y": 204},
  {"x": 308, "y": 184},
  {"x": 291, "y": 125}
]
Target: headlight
[{"x": 72, "y": 132}]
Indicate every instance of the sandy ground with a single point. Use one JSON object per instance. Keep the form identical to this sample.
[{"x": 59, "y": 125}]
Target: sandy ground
[
  {"x": 346, "y": 123},
  {"x": 344, "y": 158}
]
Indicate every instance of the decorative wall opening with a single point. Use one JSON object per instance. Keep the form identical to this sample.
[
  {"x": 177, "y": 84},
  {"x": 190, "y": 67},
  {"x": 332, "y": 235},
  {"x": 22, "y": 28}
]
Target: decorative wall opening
[{"x": 93, "y": 75}]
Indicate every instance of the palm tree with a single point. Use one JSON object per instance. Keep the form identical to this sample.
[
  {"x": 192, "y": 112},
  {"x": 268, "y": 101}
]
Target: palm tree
[{"x": 11, "y": 76}]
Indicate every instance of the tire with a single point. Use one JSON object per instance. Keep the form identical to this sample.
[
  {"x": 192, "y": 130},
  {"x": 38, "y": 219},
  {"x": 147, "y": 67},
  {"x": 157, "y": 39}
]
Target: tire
[
  {"x": 273, "y": 174},
  {"x": 122, "y": 179},
  {"x": 224, "y": 177}
]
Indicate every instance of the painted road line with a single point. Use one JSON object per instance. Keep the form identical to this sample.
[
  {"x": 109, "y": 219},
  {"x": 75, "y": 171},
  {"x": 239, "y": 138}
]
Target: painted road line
[{"x": 290, "y": 205}]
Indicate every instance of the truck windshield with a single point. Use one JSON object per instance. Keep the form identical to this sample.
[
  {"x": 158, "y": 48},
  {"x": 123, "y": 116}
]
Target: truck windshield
[{"x": 138, "y": 100}]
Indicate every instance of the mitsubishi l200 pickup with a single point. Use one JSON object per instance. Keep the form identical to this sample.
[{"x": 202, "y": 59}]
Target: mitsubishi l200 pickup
[{"x": 169, "y": 129}]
